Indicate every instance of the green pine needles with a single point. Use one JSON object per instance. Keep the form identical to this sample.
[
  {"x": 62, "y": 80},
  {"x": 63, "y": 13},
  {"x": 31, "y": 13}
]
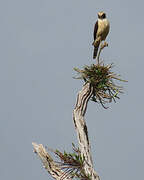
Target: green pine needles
[
  {"x": 72, "y": 164},
  {"x": 101, "y": 79}
]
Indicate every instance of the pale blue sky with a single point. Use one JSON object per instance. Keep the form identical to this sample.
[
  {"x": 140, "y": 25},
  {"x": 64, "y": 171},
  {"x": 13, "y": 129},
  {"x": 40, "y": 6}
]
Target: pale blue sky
[{"x": 41, "y": 42}]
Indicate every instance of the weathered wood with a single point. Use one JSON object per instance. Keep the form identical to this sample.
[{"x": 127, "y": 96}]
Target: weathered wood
[
  {"x": 82, "y": 133},
  {"x": 52, "y": 168}
]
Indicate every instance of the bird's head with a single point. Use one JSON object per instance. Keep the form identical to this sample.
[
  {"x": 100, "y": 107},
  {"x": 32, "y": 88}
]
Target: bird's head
[{"x": 101, "y": 15}]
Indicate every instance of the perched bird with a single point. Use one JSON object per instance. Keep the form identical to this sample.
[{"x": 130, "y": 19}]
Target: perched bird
[{"x": 101, "y": 30}]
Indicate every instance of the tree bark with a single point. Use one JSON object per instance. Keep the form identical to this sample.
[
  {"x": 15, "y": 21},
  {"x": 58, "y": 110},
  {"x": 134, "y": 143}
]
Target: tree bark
[
  {"x": 82, "y": 133},
  {"x": 52, "y": 168}
]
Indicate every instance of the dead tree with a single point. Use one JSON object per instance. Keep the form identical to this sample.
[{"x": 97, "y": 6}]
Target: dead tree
[{"x": 98, "y": 87}]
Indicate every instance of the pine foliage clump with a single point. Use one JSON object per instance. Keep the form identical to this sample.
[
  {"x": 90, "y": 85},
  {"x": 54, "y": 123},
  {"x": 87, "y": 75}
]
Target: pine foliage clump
[
  {"x": 72, "y": 164},
  {"x": 102, "y": 80}
]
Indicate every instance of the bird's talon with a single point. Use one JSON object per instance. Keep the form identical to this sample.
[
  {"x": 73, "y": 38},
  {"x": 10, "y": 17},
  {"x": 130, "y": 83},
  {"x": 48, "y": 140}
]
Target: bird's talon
[{"x": 105, "y": 44}]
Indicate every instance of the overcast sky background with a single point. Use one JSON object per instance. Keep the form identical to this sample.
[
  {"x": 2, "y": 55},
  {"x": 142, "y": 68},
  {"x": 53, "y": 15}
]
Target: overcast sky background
[{"x": 40, "y": 44}]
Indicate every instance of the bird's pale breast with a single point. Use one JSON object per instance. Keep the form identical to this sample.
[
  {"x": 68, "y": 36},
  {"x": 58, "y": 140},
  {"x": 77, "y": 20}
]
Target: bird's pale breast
[{"x": 103, "y": 28}]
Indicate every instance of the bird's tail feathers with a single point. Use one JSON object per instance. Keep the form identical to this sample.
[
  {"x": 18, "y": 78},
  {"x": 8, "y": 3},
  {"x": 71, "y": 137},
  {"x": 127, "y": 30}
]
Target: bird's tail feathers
[
  {"x": 96, "y": 44},
  {"x": 95, "y": 52}
]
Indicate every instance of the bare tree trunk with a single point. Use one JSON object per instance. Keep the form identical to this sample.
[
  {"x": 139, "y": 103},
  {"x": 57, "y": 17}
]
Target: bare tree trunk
[
  {"x": 82, "y": 133},
  {"x": 83, "y": 140}
]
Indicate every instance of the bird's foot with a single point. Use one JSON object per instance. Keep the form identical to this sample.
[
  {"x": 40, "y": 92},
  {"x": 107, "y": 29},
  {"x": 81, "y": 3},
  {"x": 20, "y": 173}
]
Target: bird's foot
[{"x": 105, "y": 44}]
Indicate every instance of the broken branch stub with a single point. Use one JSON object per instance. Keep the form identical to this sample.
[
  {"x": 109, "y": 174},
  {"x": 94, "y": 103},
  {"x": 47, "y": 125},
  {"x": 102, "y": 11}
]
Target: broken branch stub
[{"x": 52, "y": 168}]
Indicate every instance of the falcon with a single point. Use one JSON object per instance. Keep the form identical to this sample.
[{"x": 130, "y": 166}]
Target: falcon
[{"x": 101, "y": 30}]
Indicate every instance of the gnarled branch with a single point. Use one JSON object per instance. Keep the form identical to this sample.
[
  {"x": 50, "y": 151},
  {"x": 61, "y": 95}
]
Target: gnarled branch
[
  {"x": 52, "y": 168},
  {"x": 80, "y": 125}
]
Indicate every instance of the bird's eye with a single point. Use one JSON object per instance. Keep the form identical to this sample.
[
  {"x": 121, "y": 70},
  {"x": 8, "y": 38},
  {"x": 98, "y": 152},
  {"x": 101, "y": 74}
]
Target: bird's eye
[{"x": 104, "y": 15}]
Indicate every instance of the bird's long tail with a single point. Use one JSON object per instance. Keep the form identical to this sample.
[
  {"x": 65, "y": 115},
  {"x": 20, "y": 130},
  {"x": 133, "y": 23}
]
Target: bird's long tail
[
  {"x": 96, "y": 44},
  {"x": 95, "y": 51}
]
